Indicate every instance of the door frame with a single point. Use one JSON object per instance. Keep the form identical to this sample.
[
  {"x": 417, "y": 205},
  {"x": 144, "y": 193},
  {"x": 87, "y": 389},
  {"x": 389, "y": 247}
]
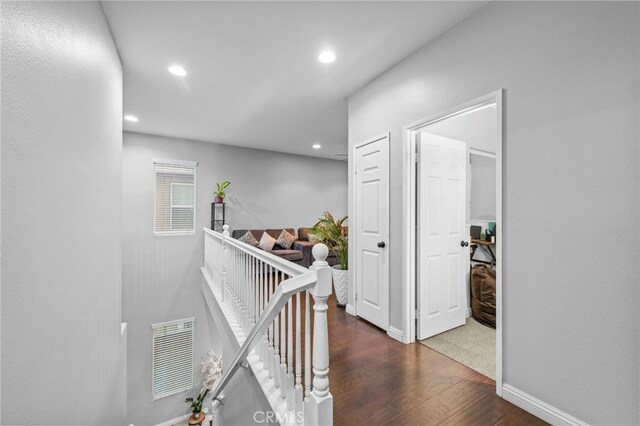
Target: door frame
[
  {"x": 409, "y": 204},
  {"x": 353, "y": 238}
]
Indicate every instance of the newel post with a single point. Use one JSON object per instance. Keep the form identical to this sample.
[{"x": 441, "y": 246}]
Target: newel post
[
  {"x": 319, "y": 405},
  {"x": 225, "y": 235}
]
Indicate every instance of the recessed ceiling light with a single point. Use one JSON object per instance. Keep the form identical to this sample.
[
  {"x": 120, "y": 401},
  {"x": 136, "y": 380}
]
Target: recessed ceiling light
[
  {"x": 132, "y": 118},
  {"x": 177, "y": 70},
  {"x": 327, "y": 57},
  {"x": 316, "y": 146}
]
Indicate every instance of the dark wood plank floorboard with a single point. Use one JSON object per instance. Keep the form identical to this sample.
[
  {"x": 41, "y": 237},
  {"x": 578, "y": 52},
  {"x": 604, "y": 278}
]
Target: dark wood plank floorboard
[{"x": 378, "y": 381}]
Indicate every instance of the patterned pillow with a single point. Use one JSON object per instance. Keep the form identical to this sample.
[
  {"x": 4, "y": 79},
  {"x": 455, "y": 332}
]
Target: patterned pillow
[
  {"x": 285, "y": 240},
  {"x": 248, "y": 238},
  {"x": 266, "y": 242}
]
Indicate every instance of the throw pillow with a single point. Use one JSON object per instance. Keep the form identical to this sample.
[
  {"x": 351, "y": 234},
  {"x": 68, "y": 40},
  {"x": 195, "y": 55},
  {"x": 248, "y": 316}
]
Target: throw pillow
[
  {"x": 311, "y": 238},
  {"x": 266, "y": 242},
  {"x": 285, "y": 240},
  {"x": 248, "y": 238}
]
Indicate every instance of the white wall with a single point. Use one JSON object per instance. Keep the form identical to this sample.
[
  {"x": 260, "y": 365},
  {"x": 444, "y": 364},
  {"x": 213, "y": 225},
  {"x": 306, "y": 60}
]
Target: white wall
[
  {"x": 61, "y": 216},
  {"x": 161, "y": 275},
  {"x": 477, "y": 128},
  {"x": 571, "y": 80},
  {"x": 483, "y": 188},
  {"x": 243, "y": 396}
]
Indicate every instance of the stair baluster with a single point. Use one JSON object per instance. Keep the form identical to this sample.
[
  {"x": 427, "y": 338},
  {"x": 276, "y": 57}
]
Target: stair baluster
[{"x": 257, "y": 294}]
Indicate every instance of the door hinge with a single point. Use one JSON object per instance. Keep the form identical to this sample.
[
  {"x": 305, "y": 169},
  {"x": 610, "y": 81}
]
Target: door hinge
[
  {"x": 416, "y": 157},
  {"x": 417, "y": 314}
]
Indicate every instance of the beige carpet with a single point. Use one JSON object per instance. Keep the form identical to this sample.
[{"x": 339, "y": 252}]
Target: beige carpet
[{"x": 472, "y": 344}]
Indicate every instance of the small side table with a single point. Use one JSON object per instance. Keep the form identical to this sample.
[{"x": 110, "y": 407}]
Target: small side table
[
  {"x": 218, "y": 216},
  {"x": 197, "y": 420}
]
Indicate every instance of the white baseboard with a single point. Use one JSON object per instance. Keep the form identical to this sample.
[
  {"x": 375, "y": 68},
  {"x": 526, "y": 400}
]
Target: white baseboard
[
  {"x": 184, "y": 420},
  {"x": 539, "y": 408},
  {"x": 177, "y": 420},
  {"x": 394, "y": 333},
  {"x": 351, "y": 310},
  {"x": 468, "y": 312}
]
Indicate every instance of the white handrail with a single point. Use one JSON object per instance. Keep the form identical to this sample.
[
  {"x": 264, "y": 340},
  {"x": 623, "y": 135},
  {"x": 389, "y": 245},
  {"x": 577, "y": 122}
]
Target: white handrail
[
  {"x": 283, "y": 265},
  {"x": 284, "y": 291},
  {"x": 255, "y": 294}
]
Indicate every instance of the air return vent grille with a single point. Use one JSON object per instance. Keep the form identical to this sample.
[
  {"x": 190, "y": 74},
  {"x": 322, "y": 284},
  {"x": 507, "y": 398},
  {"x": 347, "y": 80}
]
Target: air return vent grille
[{"x": 172, "y": 370}]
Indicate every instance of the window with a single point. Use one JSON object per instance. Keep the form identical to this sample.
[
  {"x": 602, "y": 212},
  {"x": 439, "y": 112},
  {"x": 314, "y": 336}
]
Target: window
[
  {"x": 175, "y": 197},
  {"x": 172, "y": 366}
]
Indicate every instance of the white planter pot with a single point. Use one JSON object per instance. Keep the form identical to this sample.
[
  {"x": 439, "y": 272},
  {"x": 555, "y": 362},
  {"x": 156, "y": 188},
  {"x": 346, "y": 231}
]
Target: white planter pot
[{"x": 341, "y": 284}]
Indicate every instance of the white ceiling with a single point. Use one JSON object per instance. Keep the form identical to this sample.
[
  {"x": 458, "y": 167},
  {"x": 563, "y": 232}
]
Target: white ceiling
[{"x": 253, "y": 75}]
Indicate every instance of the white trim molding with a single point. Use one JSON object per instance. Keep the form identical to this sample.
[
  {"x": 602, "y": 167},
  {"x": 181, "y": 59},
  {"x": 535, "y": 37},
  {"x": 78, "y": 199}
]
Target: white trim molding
[
  {"x": 481, "y": 153},
  {"x": 396, "y": 334},
  {"x": 409, "y": 219},
  {"x": 175, "y": 421},
  {"x": 539, "y": 408},
  {"x": 350, "y": 309},
  {"x": 183, "y": 163}
]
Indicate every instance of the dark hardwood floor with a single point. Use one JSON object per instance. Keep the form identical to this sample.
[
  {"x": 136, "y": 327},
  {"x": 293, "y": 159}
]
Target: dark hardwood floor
[{"x": 376, "y": 380}]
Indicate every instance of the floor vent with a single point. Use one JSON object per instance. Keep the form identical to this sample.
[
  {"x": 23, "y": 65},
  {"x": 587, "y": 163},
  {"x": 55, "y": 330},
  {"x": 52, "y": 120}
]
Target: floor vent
[{"x": 172, "y": 370}]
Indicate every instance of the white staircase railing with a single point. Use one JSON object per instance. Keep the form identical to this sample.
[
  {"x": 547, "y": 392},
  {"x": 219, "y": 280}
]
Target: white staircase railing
[{"x": 266, "y": 302}]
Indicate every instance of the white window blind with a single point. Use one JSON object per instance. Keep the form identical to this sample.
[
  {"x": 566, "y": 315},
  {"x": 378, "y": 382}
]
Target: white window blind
[
  {"x": 174, "y": 197},
  {"x": 172, "y": 370}
]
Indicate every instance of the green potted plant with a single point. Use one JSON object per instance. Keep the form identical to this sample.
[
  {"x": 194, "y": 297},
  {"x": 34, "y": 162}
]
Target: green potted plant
[
  {"x": 219, "y": 193},
  {"x": 330, "y": 232},
  {"x": 196, "y": 406}
]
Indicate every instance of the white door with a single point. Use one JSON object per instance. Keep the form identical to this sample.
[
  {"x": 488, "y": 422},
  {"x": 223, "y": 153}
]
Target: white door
[
  {"x": 443, "y": 253},
  {"x": 372, "y": 231}
]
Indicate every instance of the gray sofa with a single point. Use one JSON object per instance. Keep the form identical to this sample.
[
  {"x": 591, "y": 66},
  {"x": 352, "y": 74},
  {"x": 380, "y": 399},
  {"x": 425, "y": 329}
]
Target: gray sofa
[
  {"x": 299, "y": 253},
  {"x": 294, "y": 254}
]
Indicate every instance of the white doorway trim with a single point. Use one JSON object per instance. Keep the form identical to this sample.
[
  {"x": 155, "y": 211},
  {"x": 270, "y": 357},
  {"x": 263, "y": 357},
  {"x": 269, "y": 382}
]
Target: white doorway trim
[
  {"x": 482, "y": 153},
  {"x": 409, "y": 220}
]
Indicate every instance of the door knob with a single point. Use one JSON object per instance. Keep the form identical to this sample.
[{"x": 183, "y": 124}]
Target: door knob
[
  {"x": 381, "y": 244},
  {"x": 464, "y": 244}
]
